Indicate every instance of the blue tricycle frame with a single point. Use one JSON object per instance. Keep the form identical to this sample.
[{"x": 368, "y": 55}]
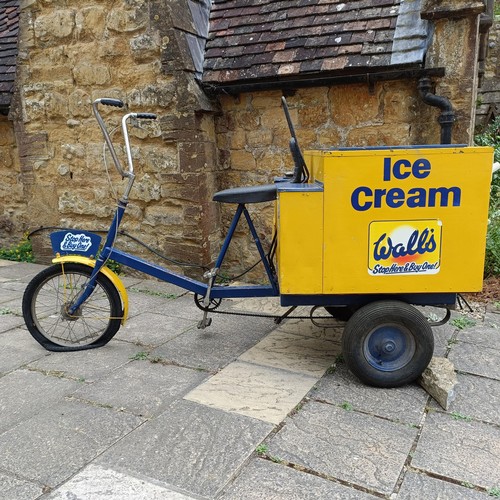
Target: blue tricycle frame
[{"x": 386, "y": 342}]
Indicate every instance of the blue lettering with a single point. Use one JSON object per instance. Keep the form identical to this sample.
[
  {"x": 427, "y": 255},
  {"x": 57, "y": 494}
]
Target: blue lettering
[
  {"x": 421, "y": 168},
  {"x": 444, "y": 196},
  {"x": 364, "y": 198},
  {"x": 420, "y": 243},
  {"x": 398, "y": 174},
  {"x": 355, "y": 201}
]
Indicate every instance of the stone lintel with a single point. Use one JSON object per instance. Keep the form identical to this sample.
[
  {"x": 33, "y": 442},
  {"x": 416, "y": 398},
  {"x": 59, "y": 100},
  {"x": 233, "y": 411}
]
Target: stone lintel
[{"x": 451, "y": 9}]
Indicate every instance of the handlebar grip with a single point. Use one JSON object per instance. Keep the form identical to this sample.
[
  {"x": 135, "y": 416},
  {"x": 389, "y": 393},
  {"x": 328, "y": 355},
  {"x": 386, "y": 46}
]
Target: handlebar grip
[
  {"x": 146, "y": 116},
  {"x": 112, "y": 102}
]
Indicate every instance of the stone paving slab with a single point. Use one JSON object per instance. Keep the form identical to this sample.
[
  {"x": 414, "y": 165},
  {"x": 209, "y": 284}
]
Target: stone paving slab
[
  {"x": 263, "y": 479},
  {"x": 153, "y": 330},
  {"x": 89, "y": 365},
  {"x": 481, "y": 335},
  {"x": 112, "y": 423},
  {"x": 141, "y": 387},
  {"x": 23, "y": 394},
  {"x": 459, "y": 449},
  {"x": 16, "y": 287},
  {"x": 12, "y": 488},
  {"x": 353, "y": 447},
  {"x": 17, "y": 348},
  {"x": 442, "y": 336},
  {"x": 8, "y": 320},
  {"x": 5, "y": 262},
  {"x": 155, "y": 288},
  {"x": 492, "y": 320},
  {"x": 475, "y": 359},
  {"x": 476, "y": 397},
  {"x": 98, "y": 483},
  {"x": 215, "y": 347},
  {"x": 21, "y": 271},
  {"x": 404, "y": 404},
  {"x": 14, "y": 307},
  {"x": 421, "y": 486},
  {"x": 189, "y": 446},
  {"x": 56, "y": 443},
  {"x": 261, "y": 392},
  {"x": 306, "y": 328},
  {"x": 301, "y": 354},
  {"x": 181, "y": 307},
  {"x": 6, "y": 294}
]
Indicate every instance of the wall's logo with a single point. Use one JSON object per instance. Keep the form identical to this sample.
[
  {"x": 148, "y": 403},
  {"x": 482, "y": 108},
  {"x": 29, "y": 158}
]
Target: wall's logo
[
  {"x": 75, "y": 243},
  {"x": 404, "y": 247}
]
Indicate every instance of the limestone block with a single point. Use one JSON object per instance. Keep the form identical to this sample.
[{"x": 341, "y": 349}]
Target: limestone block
[
  {"x": 379, "y": 135},
  {"x": 90, "y": 22},
  {"x": 54, "y": 26},
  {"x": 152, "y": 95},
  {"x": 91, "y": 74},
  {"x": 79, "y": 103},
  {"x": 77, "y": 202},
  {"x": 439, "y": 380},
  {"x": 127, "y": 20},
  {"x": 164, "y": 216},
  {"x": 438, "y": 9},
  {"x": 147, "y": 188},
  {"x": 56, "y": 105},
  {"x": 145, "y": 46},
  {"x": 354, "y": 104}
]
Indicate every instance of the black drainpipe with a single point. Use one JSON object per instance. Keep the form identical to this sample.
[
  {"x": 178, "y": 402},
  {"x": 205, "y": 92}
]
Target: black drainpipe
[{"x": 447, "y": 116}]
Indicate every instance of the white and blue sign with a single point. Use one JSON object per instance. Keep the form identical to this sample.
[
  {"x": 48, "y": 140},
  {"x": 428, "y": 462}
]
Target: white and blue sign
[{"x": 72, "y": 242}]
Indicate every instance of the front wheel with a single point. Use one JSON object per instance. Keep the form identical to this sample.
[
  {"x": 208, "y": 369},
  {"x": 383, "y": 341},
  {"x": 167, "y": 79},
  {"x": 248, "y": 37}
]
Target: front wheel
[
  {"x": 387, "y": 343},
  {"x": 45, "y": 309}
]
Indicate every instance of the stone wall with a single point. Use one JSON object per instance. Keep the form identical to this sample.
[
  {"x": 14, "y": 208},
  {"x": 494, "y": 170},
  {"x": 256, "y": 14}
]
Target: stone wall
[
  {"x": 489, "y": 92},
  {"x": 71, "y": 54},
  {"x": 137, "y": 50},
  {"x": 253, "y": 135},
  {"x": 13, "y": 208}
]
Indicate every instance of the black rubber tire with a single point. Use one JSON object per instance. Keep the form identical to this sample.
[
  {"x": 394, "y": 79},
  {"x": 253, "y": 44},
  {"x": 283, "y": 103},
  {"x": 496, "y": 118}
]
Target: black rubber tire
[
  {"x": 387, "y": 343},
  {"x": 97, "y": 321}
]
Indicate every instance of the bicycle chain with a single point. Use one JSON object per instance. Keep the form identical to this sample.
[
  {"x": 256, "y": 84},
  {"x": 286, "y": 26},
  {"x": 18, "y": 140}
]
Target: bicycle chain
[{"x": 261, "y": 315}]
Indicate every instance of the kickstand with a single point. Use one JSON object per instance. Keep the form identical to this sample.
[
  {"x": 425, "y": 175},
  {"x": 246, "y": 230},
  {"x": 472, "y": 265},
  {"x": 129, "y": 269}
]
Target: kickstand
[
  {"x": 284, "y": 316},
  {"x": 206, "y": 321}
]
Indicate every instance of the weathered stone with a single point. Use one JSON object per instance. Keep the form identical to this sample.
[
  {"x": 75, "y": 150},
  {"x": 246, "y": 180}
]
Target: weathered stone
[
  {"x": 439, "y": 380},
  {"x": 127, "y": 20},
  {"x": 91, "y": 74},
  {"x": 55, "y": 25}
]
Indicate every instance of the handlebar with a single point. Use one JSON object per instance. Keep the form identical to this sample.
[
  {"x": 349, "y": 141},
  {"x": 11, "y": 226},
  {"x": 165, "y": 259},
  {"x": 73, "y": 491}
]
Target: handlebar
[
  {"x": 111, "y": 102},
  {"x": 141, "y": 116}
]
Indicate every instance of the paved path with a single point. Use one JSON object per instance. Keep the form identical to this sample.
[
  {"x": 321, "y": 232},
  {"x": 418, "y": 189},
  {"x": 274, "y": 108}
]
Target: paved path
[{"x": 242, "y": 410}]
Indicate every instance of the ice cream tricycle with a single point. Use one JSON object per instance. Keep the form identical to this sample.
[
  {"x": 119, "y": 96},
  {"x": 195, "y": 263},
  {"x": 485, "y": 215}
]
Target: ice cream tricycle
[{"x": 366, "y": 233}]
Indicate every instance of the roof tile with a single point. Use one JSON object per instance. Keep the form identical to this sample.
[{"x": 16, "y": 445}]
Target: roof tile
[
  {"x": 9, "y": 29},
  {"x": 278, "y": 37}
]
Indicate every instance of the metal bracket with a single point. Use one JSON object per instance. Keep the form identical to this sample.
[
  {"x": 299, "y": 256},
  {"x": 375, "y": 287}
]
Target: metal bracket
[{"x": 210, "y": 276}]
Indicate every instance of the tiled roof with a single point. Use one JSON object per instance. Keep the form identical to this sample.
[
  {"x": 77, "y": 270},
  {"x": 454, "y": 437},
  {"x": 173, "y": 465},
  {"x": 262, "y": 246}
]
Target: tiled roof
[
  {"x": 9, "y": 28},
  {"x": 251, "y": 40}
]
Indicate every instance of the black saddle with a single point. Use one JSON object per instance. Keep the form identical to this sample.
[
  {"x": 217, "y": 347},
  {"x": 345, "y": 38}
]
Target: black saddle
[{"x": 244, "y": 195}]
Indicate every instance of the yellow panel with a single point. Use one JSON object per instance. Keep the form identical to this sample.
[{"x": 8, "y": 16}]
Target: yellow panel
[
  {"x": 300, "y": 247},
  {"x": 404, "y": 220}
]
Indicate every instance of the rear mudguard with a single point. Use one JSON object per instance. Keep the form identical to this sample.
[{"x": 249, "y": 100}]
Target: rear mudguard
[{"x": 113, "y": 277}]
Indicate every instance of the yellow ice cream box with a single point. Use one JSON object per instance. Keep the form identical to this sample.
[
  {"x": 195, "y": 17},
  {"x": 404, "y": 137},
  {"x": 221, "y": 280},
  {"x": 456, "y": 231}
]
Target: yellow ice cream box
[{"x": 386, "y": 221}]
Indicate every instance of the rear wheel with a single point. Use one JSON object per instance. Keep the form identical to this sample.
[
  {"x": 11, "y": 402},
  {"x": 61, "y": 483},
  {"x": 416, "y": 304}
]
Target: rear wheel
[
  {"x": 387, "y": 344},
  {"x": 48, "y": 297}
]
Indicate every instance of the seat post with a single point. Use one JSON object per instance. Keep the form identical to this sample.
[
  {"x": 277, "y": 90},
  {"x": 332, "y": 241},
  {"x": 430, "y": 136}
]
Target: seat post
[
  {"x": 263, "y": 257},
  {"x": 229, "y": 235}
]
